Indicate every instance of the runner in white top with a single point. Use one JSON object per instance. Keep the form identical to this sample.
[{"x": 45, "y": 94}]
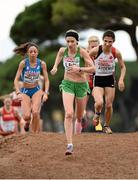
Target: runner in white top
[
  {"x": 105, "y": 64},
  {"x": 104, "y": 80}
]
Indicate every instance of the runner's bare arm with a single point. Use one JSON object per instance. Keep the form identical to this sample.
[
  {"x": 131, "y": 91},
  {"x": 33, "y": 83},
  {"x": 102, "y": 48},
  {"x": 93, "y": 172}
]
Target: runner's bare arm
[
  {"x": 122, "y": 66},
  {"x": 18, "y": 74},
  {"x": 17, "y": 115},
  {"x": 46, "y": 80},
  {"x": 90, "y": 68},
  {"x": 58, "y": 60},
  {"x": 93, "y": 52}
]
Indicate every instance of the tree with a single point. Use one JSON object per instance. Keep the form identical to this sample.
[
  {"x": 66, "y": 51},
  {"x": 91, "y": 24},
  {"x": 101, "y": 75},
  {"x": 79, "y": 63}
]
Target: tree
[
  {"x": 104, "y": 14},
  {"x": 34, "y": 24},
  {"x": 48, "y": 19}
]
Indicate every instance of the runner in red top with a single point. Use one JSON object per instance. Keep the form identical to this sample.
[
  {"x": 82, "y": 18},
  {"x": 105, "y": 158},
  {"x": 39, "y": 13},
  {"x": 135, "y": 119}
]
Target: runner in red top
[
  {"x": 93, "y": 41},
  {"x": 9, "y": 118},
  {"x": 16, "y": 102}
]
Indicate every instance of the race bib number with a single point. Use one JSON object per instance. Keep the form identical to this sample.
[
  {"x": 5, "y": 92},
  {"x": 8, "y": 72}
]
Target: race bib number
[
  {"x": 69, "y": 61},
  {"x": 106, "y": 70}
]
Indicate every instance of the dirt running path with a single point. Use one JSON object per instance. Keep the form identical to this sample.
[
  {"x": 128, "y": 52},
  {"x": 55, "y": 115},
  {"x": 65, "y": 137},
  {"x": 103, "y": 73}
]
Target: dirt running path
[{"x": 95, "y": 155}]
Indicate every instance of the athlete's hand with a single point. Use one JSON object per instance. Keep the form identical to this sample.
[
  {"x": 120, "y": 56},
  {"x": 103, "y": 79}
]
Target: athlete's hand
[
  {"x": 53, "y": 71},
  {"x": 73, "y": 68},
  {"x": 121, "y": 85},
  {"x": 45, "y": 97},
  {"x": 19, "y": 96}
]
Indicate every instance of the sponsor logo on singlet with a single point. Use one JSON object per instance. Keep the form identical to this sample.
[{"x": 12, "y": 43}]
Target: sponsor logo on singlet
[
  {"x": 70, "y": 61},
  {"x": 105, "y": 64}
]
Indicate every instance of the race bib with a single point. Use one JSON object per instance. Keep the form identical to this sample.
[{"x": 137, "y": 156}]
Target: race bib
[
  {"x": 105, "y": 69},
  {"x": 8, "y": 126},
  {"x": 70, "y": 61}
]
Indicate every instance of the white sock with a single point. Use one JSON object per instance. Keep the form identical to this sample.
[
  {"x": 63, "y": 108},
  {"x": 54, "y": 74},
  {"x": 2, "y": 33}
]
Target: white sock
[{"x": 70, "y": 144}]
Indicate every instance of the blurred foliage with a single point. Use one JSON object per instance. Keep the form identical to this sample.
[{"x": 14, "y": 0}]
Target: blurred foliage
[
  {"x": 69, "y": 10},
  {"x": 7, "y": 74},
  {"x": 132, "y": 69},
  {"x": 34, "y": 24}
]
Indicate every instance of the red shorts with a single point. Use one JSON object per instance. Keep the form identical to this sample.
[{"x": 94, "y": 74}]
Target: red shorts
[
  {"x": 90, "y": 81},
  {"x": 16, "y": 102}
]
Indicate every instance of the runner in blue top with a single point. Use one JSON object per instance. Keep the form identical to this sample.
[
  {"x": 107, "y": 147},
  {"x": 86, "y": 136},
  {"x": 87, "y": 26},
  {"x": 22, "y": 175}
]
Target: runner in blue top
[{"x": 31, "y": 94}]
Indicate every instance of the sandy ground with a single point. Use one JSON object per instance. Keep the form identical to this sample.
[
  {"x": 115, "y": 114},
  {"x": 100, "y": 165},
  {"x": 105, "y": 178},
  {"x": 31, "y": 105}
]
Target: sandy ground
[{"x": 96, "y": 155}]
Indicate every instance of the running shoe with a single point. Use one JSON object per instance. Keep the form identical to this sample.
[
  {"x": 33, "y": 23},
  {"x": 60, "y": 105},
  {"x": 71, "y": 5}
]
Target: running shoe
[
  {"x": 26, "y": 126},
  {"x": 69, "y": 150},
  {"x": 107, "y": 130},
  {"x": 99, "y": 127},
  {"x": 96, "y": 119}
]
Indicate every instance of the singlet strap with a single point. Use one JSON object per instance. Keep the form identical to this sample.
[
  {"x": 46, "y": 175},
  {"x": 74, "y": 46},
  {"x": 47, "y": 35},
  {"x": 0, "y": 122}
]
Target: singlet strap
[
  {"x": 99, "y": 51},
  {"x": 114, "y": 52},
  {"x": 39, "y": 62},
  {"x": 78, "y": 51},
  {"x": 26, "y": 61},
  {"x": 65, "y": 52}
]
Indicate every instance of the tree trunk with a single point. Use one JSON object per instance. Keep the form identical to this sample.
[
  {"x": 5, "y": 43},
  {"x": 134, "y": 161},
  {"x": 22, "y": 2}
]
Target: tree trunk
[{"x": 132, "y": 32}]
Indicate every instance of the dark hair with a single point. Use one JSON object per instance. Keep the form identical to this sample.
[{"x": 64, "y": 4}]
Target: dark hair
[
  {"x": 109, "y": 33},
  {"x": 72, "y": 33},
  {"x": 23, "y": 48}
]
